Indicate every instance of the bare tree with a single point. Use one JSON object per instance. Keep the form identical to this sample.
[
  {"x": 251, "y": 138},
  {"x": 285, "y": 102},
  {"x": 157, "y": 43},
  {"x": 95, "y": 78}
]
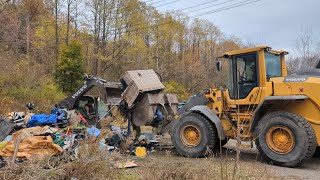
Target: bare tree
[
  {"x": 307, "y": 47},
  {"x": 306, "y": 52},
  {"x": 69, "y": 2}
]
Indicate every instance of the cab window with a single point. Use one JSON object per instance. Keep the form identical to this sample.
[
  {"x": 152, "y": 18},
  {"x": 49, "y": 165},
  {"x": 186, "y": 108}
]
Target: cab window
[{"x": 273, "y": 65}]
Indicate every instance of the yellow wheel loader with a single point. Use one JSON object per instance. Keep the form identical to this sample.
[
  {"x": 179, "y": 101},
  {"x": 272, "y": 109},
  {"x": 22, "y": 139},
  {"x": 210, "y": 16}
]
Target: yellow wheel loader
[{"x": 259, "y": 103}]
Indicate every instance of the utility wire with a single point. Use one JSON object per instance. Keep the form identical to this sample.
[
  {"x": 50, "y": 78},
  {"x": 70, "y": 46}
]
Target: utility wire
[
  {"x": 134, "y": 7},
  {"x": 190, "y": 7},
  {"x": 167, "y": 3},
  {"x": 224, "y": 2},
  {"x": 243, "y": 3},
  {"x": 197, "y": 5},
  {"x": 157, "y": 2},
  {"x": 146, "y": 1},
  {"x": 209, "y": 6}
]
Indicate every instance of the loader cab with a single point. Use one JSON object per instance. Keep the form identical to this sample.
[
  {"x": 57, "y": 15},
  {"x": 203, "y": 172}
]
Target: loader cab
[{"x": 249, "y": 73}]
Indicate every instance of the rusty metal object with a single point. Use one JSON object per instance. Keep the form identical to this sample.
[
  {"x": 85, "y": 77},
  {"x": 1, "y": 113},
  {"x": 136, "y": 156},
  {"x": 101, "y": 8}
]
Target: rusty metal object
[
  {"x": 140, "y": 81},
  {"x": 143, "y": 111},
  {"x": 143, "y": 96}
]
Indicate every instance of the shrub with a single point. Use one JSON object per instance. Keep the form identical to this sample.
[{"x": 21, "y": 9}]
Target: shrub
[
  {"x": 177, "y": 88},
  {"x": 70, "y": 70}
]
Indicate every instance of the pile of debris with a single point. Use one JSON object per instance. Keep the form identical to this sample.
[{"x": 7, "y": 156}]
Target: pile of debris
[
  {"x": 38, "y": 135},
  {"x": 64, "y": 131},
  {"x": 51, "y": 137}
]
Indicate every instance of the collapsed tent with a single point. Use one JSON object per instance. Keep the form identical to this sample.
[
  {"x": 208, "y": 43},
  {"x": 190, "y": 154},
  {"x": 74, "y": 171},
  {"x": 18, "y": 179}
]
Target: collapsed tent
[{"x": 31, "y": 142}]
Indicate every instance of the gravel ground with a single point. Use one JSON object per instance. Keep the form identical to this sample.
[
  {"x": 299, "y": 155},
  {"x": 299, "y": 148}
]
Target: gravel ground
[{"x": 310, "y": 169}]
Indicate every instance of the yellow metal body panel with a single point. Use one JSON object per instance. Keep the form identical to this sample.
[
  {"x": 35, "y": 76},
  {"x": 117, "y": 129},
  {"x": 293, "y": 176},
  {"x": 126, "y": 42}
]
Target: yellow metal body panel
[
  {"x": 283, "y": 66},
  {"x": 247, "y": 50},
  {"x": 309, "y": 108},
  {"x": 216, "y": 100},
  {"x": 228, "y": 128},
  {"x": 258, "y": 48}
]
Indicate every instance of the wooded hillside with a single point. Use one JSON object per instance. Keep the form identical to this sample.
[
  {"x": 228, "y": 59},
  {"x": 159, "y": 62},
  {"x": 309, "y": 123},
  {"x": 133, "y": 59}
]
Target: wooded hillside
[
  {"x": 113, "y": 35},
  {"x": 46, "y": 46}
]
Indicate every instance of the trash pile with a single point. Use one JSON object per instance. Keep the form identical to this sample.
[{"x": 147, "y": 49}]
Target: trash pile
[
  {"x": 66, "y": 128},
  {"x": 146, "y": 143},
  {"x": 25, "y": 136},
  {"x": 37, "y": 135}
]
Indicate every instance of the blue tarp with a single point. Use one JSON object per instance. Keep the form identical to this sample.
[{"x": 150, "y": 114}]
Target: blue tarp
[
  {"x": 56, "y": 116},
  {"x": 40, "y": 119},
  {"x": 95, "y": 131}
]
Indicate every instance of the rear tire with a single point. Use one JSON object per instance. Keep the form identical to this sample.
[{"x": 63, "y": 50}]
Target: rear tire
[
  {"x": 183, "y": 140},
  {"x": 285, "y": 139}
]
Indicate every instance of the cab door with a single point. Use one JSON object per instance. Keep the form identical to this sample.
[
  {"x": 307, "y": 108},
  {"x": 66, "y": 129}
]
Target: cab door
[
  {"x": 244, "y": 75},
  {"x": 247, "y": 79}
]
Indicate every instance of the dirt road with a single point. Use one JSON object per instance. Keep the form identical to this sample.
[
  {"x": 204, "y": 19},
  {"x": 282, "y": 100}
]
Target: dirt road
[{"x": 310, "y": 169}]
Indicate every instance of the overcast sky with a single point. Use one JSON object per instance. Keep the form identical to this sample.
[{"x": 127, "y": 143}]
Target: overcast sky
[{"x": 276, "y": 23}]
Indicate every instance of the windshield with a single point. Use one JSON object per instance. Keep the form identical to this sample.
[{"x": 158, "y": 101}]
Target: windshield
[{"x": 273, "y": 65}]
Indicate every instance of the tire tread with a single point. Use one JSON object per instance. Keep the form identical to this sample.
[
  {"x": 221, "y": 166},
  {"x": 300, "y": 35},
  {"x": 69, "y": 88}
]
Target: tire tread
[
  {"x": 212, "y": 133},
  {"x": 312, "y": 142}
]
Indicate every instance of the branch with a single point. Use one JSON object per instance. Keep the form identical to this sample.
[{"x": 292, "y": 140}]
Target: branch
[{"x": 2, "y": 5}]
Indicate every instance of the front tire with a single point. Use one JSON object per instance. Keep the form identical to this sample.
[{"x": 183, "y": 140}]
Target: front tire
[
  {"x": 285, "y": 139},
  {"x": 193, "y": 134}
]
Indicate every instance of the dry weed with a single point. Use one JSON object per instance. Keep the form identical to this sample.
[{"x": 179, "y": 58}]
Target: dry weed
[{"x": 91, "y": 164}]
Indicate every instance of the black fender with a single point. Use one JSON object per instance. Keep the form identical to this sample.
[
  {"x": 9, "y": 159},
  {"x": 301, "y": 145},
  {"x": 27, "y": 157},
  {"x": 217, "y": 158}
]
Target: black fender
[
  {"x": 212, "y": 116},
  {"x": 196, "y": 100},
  {"x": 258, "y": 112}
]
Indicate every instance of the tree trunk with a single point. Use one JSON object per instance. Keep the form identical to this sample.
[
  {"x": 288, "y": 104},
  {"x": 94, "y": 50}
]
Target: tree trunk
[
  {"x": 68, "y": 22},
  {"x": 56, "y": 32},
  {"x": 76, "y": 20},
  {"x": 28, "y": 33}
]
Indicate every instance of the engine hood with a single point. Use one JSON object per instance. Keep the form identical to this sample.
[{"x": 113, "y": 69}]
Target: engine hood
[{"x": 309, "y": 72}]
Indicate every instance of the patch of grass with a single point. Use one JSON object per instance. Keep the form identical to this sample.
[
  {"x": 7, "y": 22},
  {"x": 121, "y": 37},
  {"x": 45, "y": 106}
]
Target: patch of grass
[
  {"x": 95, "y": 164},
  {"x": 171, "y": 166}
]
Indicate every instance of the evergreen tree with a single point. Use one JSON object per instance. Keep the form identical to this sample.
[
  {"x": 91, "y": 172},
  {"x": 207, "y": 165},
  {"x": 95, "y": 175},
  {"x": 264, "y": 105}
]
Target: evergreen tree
[{"x": 70, "y": 70}]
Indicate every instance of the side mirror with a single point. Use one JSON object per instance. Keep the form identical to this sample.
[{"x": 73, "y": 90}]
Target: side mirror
[{"x": 219, "y": 65}]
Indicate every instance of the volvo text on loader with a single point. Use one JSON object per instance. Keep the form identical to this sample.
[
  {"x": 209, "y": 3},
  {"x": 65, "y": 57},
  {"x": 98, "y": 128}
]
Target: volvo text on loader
[{"x": 280, "y": 113}]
